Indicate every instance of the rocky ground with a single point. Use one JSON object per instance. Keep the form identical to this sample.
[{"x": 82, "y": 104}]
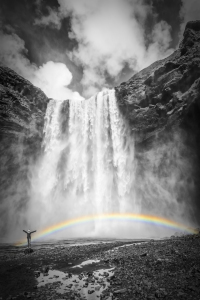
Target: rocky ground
[{"x": 168, "y": 269}]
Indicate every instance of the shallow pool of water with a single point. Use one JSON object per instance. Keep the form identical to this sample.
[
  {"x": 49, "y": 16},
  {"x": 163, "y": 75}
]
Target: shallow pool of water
[{"x": 86, "y": 285}]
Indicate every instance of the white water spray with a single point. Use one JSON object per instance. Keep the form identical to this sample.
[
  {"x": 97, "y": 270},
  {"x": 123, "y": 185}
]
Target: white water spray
[
  {"x": 88, "y": 165},
  {"x": 89, "y": 168}
]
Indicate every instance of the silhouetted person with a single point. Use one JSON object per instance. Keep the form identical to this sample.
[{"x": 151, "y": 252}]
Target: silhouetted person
[{"x": 29, "y": 237}]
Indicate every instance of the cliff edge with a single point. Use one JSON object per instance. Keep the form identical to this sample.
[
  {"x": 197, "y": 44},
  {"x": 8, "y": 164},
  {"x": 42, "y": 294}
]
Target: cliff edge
[
  {"x": 167, "y": 93},
  {"x": 22, "y": 111}
]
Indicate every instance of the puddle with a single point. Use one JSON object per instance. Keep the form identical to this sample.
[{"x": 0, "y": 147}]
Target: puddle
[
  {"x": 134, "y": 244},
  {"x": 127, "y": 245},
  {"x": 87, "y": 262},
  {"x": 86, "y": 285}
]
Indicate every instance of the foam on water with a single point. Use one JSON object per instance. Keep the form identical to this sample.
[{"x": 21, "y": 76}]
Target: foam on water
[{"x": 88, "y": 166}]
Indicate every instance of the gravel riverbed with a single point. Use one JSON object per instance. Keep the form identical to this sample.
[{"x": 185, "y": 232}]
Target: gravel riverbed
[{"x": 157, "y": 269}]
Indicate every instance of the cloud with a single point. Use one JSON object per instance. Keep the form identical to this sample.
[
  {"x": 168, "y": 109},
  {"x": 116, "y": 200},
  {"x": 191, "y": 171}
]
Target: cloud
[
  {"x": 161, "y": 39},
  {"x": 110, "y": 35},
  {"x": 52, "y": 77},
  {"x": 13, "y": 54},
  {"x": 190, "y": 11},
  {"x": 51, "y": 19}
]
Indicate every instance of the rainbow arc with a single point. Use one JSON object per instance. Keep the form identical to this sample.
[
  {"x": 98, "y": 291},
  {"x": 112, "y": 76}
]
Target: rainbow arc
[{"x": 154, "y": 220}]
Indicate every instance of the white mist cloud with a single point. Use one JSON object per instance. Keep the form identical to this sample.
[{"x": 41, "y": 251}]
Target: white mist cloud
[
  {"x": 52, "y": 77},
  {"x": 190, "y": 11},
  {"x": 165, "y": 179},
  {"x": 110, "y": 35}
]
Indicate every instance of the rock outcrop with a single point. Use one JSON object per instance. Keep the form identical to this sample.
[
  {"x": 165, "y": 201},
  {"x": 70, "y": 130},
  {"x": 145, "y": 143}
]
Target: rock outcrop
[
  {"x": 162, "y": 106},
  {"x": 22, "y": 110},
  {"x": 167, "y": 93}
]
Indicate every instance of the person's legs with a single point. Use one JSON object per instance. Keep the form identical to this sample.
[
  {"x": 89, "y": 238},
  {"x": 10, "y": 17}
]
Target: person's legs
[{"x": 28, "y": 243}]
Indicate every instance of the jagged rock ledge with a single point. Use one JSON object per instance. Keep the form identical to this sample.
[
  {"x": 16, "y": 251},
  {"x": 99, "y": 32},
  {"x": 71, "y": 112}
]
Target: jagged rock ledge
[
  {"x": 22, "y": 111},
  {"x": 167, "y": 93}
]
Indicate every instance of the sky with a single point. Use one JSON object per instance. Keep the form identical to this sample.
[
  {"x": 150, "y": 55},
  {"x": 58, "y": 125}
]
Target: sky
[{"x": 72, "y": 49}]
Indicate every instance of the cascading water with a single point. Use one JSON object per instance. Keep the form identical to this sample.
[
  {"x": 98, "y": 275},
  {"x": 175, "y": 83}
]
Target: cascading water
[
  {"x": 88, "y": 165},
  {"x": 89, "y": 168}
]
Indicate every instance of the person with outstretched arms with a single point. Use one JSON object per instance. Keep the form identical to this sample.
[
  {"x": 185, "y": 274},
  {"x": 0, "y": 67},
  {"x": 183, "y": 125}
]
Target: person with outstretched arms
[{"x": 29, "y": 236}]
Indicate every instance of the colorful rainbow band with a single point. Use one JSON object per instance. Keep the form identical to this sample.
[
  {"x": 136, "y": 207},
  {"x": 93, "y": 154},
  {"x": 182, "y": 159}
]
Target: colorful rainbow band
[{"x": 109, "y": 217}]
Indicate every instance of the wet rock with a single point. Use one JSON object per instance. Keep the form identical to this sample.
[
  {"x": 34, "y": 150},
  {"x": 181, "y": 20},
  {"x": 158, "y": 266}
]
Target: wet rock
[
  {"x": 45, "y": 269},
  {"x": 160, "y": 293},
  {"x": 85, "y": 284},
  {"x": 121, "y": 291},
  {"x": 143, "y": 254},
  {"x": 28, "y": 251},
  {"x": 37, "y": 273}
]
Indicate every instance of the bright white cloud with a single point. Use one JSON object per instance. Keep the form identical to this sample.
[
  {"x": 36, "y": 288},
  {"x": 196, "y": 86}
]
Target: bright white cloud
[
  {"x": 53, "y": 78},
  {"x": 190, "y": 11},
  {"x": 110, "y": 35}
]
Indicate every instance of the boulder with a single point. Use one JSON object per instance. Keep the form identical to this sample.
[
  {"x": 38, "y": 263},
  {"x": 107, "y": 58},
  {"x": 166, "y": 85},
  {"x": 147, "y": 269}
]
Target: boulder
[{"x": 28, "y": 251}]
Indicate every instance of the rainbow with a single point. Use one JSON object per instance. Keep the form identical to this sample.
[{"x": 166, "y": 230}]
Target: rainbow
[{"x": 109, "y": 217}]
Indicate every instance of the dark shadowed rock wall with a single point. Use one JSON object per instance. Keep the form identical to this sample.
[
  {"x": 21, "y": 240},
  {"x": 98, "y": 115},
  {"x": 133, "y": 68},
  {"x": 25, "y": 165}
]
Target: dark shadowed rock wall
[
  {"x": 22, "y": 110},
  {"x": 162, "y": 106},
  {"x": 167, "y": 93}
]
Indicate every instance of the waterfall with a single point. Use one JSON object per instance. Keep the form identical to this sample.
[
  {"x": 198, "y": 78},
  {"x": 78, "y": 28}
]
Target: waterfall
[
  {"x": 88, "y": 168},
  {"x": 88, "y": 165}
]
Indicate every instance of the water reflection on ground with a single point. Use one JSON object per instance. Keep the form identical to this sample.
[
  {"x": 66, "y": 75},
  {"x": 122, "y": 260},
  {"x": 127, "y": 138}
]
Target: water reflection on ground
[{"x": 86, "y": 285}]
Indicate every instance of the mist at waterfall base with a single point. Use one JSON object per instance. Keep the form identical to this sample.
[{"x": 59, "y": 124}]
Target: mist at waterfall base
[{"x": 89, "y": 167}]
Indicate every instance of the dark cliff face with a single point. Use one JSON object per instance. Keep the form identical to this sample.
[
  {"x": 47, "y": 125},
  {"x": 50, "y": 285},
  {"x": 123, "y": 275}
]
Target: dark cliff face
[
  {"x": 167, "y": 93},
  {"x": 162, "y": 106},
  {"x": 22, "y": 111}
]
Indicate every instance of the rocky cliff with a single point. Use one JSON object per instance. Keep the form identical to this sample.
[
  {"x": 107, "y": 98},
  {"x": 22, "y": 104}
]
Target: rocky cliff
[
  {"x": 22, "y": 110},
  {"x": 162, "y": 106},
  {"x": 167, "y": 93}
]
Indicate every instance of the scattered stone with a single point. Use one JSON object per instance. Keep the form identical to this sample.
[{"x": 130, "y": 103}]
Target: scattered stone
[
  {"x": 120, "y": 291},
  {"x": 37, "y": 273},
  {"x": 170, "y": 271},
  {"x": 28, "y": 251},
  {"x": 45, "y": 269},
  {"x": 143, "y": 254}
]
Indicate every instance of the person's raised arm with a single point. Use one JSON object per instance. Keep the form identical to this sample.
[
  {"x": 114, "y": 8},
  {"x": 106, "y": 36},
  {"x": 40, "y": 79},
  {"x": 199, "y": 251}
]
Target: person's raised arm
[
  {"x": 25, "y": 231},
  {"x": 33, "y": 231}
]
